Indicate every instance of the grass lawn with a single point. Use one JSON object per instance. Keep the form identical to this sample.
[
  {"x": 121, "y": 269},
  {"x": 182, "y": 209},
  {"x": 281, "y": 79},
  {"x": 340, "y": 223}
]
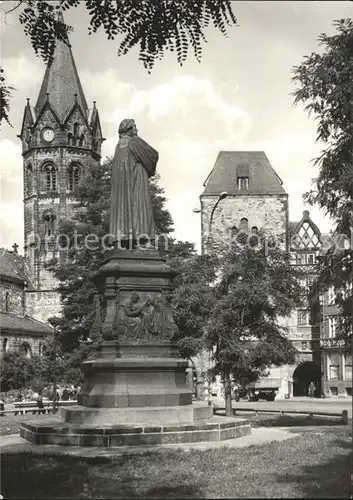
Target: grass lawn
[
  {"x": 10, "y": 424},
  {"x": 268, "y": 420},
  {"x": 316, "y": 464}
]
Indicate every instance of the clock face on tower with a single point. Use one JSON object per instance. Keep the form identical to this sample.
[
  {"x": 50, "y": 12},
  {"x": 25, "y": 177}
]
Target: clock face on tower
[{"x": 48, "y": 134}]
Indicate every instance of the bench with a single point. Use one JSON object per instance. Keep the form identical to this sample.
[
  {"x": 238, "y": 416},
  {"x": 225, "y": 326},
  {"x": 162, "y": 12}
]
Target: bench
[
  {"x": 342, "y": 415},
  {"x": 23, "y": 407}
]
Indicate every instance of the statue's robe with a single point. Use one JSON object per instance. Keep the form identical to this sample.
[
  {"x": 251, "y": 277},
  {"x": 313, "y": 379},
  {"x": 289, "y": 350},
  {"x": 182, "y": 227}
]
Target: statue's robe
[{"x": 131, "y": 215}]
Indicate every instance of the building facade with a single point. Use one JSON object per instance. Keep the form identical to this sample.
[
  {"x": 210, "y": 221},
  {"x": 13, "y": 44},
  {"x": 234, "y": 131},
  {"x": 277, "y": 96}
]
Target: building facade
[
  {"x": 336, "y": 357},
  {"x": 244, "y": 193},
  {"x": 304, "y": 323},
  {"x": 61, "y": 137},
  {"x": 19, "y": 332}
]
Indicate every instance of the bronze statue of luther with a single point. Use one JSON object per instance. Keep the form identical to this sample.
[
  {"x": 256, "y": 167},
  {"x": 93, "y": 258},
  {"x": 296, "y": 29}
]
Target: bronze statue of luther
[{"x": 131, "y": 218}]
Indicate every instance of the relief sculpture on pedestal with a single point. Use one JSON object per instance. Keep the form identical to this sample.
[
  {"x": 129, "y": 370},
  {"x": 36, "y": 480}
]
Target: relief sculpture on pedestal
[{"x": 144, "y": 319}]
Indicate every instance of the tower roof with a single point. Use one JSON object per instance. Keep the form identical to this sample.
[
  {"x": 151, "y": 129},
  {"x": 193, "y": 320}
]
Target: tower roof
[
  {"x": 61, "y": 81},
  {"x": 251, "y": 164}
]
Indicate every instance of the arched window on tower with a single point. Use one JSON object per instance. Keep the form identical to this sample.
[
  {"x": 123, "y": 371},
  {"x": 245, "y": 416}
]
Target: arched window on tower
[
  {"x": 49, "y": 223},
  {"x": 74, "y": 174},
  {"x": 29, "y": 179},
  {"x": 76, "y": 134},
  {"x": 7, "y": 302},
  {"x": 49, "y": 177},
  {"x": 5, "y": 345},
  {"x": 244, "y": 225}
]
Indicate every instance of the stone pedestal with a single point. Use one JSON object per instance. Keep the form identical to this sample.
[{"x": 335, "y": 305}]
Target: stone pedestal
[
  {"x": 134, "y": 362},
  {"x": 135, "y": 389}
]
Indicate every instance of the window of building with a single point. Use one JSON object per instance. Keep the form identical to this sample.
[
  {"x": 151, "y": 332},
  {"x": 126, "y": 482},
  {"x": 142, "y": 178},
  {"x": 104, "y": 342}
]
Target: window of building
[
  {"x": 349, "y": 391},
  {"x": 332, "y": 326},
  {"x": 310, "y": 258},
  {"x": 331, "y": 296},
  {"x": 300, "y": 259},
  {"x": 76, "y": 129},
  {"x": 29, "y": 179},
  {"x": 348, "y": 372},
  {"x": 309, "y": 282},
  {"x": 7, "y": 302},
  {"x": 334, "y": 391},
  {"x": 50, "y": 178},
  {"x": 243, "y": 183},
  {"x": 25, "y": 350},
  {"x": 5, "y": 345},
  {"x": 49, "y": 223},
  {"x": 302, "y": 314},
  {"x": 40, "y": 349},
  {"x": 334, "y": 371},
  {"x": 74, "y": 177},
  {"x": 304, "y": 346}
]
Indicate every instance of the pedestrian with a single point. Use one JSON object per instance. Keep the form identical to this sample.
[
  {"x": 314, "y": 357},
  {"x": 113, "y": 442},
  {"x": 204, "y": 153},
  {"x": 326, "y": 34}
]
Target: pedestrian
[
  {"x": 40, "y": 404},
  {"x": 311, "y": 391},
  {"x": 65, "y": 395},
  {"x": 19, "y": 397}
]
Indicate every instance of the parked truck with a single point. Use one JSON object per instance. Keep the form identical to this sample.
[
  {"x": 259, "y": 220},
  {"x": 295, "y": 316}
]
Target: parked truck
[{"x": 264, "y": 388}]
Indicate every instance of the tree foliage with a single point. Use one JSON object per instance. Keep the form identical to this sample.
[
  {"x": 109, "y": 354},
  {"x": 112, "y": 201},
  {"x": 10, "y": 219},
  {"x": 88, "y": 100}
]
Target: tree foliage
[
  {"x": 5, "y": 96},
  {"x": 154, "y": 26},
  {"x": 193, "y": 299},
  {"x": 245, "y": 331},
  {"x": 18, "y": 371},
  {"x": 324, "y": 83}
]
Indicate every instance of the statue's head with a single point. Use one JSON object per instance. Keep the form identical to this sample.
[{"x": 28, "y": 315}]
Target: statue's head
[
  {"x": 127, "y": 127},
  {"x": 135, "y": 297}
]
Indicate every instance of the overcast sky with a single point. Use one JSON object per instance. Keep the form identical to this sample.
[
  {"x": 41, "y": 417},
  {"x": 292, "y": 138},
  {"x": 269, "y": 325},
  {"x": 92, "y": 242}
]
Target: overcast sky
[{"x": 238, "y": 98}]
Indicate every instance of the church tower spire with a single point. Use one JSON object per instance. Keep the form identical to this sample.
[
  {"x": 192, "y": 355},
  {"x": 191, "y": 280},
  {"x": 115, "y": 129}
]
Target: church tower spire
[
  {"x": 61, "y": 81},
  {"x": 61, "y": 137}
]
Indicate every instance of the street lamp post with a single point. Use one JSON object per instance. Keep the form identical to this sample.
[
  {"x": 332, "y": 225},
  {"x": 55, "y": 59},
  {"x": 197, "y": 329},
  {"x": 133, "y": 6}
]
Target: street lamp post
[{"x": 221, "y": 197}]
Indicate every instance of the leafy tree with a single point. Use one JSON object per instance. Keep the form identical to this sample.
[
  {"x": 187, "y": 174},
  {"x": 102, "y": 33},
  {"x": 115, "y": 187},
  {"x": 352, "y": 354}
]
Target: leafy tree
[
  {"x": 193, "y": 299},
  {"x": 325, "y": 88},
  {"x": 153, "y": 25},
  {"x": 52, "y": 364},
  {"x": 5, "y": 96},
  {"x": 17, "y": 371},
  {"x": 244, "y": 331}
]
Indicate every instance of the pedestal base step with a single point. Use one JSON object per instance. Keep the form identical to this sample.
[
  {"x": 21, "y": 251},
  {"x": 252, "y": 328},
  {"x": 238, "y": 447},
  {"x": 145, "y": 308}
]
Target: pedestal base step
[
  {"x": 53, "y": 431},
  {"x": 147, "y": 415}
]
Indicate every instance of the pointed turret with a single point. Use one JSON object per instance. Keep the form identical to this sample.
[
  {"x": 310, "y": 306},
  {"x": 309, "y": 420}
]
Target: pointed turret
[
  {"x": 61, "y": 139},
  {"x": 61, "y": 82}
]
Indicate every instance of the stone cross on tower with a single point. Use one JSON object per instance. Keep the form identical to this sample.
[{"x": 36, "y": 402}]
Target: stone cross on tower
[{"x": 15, "y": 247}]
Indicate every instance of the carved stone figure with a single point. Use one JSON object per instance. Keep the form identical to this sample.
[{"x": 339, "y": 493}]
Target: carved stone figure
[
  {"x": 132, "y": 318},
  {"x": 156, "y": 318},
  {"x": 131, "y": 218},
  {"x": 148, "y": 320}
]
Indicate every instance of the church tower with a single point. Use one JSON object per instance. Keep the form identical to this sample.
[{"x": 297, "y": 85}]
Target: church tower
[{"x": 61, "y": 137}]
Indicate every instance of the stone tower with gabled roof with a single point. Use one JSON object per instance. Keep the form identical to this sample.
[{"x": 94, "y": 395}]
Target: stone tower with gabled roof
[
  {"x": 61, "y": 137},
  {"x": 255, "y": 200}
]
